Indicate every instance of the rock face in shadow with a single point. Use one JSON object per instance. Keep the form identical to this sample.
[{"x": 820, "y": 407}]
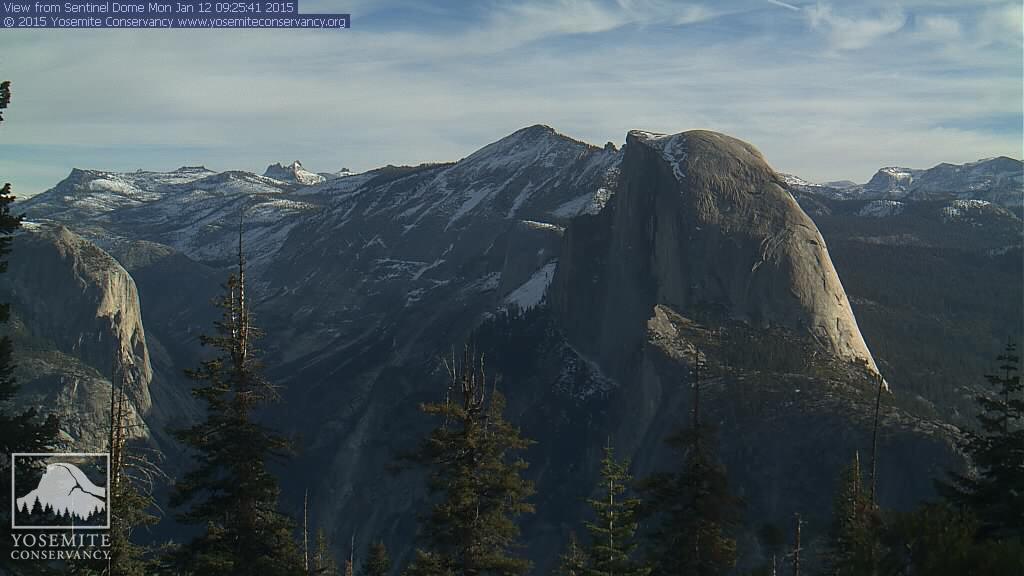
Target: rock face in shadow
[
  {"x": 702, "y": 246},
  {"x": 701, "y": 224},
  {"x": 75, "y": 311}
]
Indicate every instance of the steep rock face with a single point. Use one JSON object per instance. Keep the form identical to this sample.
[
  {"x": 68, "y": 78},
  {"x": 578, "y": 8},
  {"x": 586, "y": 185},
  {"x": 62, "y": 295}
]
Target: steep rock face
[
  {"x": 75, "y": 311},
  {"x": 527, "y": 269},
  {"x": 701, "y": 247},
  {"x": 936, "y": 257},
  {"x": 701, "y": 224}
]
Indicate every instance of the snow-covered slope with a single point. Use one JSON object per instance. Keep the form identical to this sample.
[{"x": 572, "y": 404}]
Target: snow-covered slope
[
  {"x": 192, "y": 209},
  {"x": 363, "y": 247},
  {"x": 425, "y": 241}
]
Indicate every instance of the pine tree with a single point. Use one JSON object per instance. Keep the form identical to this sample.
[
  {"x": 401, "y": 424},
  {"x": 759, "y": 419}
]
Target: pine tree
[
  {"x": 853, "y": 543},
  {"x": 573, "y": 561},
  {"x": 21, "y": 431},
  {"x": 994, "y": 494},
  {"x": 613, "y": 532},
  {"x": 475, "y": 473},
  {"x": 378, "y": 563},
  {"x": 941, "y": 540},
  {"x": 322, "y": 563},
  {"x": 693, "y": 508},
  {"x": 429, "y": 564},
  {"x": 231, "y": 492}
]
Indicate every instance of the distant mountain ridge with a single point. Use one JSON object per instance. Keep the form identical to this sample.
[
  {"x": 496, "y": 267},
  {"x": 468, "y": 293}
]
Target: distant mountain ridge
[{"x": 998, "y": 180}]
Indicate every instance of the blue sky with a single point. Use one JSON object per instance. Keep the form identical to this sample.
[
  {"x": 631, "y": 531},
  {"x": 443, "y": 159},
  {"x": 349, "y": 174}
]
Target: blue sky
[{"x": 825, "y": 90}]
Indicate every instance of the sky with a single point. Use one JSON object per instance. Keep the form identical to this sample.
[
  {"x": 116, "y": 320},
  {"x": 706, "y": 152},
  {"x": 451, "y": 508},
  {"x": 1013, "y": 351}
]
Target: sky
[{"x": 827, "y": 91}]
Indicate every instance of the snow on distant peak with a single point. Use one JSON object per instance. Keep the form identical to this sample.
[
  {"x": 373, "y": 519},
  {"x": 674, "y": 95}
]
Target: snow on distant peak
[
  {"x": 293, "y": 173},
  {"x": 898, "y": 172},
  {"x": 962, "y": 209},
  {"x": 671, "y": 146},
  {"x": 537, "y": 144},
  {"x": 190, "y": 170},
  {"x": 793, "y": 180},
  {"x": 881, "y": 209}
]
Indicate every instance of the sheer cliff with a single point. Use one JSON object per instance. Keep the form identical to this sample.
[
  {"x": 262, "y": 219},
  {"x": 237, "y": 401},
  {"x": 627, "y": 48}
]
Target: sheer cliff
[
  {"x": 75, "y": 309},
  {"x": 700, "y": 224}
]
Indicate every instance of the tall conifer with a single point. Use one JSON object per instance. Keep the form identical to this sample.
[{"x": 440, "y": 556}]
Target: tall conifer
[
  {"x": 995, "y": 493},
  {"x": 476, "y": 473},
  {"x": 378, "y": 563},
  {"x": 693, "y": 509},
  {"x": 854, "y": 547},
  {"x": 231, "y": 492},
  {"x": 613, "y": 531}
]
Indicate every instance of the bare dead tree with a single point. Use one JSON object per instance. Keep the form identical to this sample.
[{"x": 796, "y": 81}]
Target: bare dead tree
[{"x": 874, "y": 437}]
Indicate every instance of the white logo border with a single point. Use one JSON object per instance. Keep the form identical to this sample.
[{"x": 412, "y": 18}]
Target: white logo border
[{"x": 14, "y": 522}]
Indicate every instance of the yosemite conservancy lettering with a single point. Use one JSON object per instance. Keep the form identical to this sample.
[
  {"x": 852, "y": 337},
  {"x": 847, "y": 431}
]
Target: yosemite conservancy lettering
[
  {"x": 55, "y": 540},
  {"x": 62, "y": 554},
  {"x": 54, "y": 546},
  {"x": 111, "y": 22}
]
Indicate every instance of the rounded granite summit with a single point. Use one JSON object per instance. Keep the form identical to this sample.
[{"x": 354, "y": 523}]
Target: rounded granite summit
[
  {"x": 711, "y": 159},
  {"x": 702, "y": 224}
]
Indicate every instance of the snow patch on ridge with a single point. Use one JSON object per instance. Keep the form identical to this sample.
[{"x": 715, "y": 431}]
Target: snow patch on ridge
[
  {"x": 961, "y": 209},
  {"x": 534, "y": 225},
  {"x": 881, "y": 209},
  {"x": 531, "y": 292},
  {"x": 590, "y": 204},
  {"x": 672, "y": 148},
  {"x": 793, "y": 180}
]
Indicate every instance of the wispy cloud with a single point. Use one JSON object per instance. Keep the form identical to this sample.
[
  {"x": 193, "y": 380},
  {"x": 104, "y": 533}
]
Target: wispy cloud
[
  {"x": 507, "y": 25},
  {"x": 1003, "y": 24},
  {"x": 938, "y": 27},
  {"x": 853, "y": 33},
  {"x": 411, "y": 83}
]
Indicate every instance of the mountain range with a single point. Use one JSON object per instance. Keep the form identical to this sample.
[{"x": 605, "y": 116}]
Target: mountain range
[
  {"x": 996, "y": 180},
  {"x": 590, "y": 276}
]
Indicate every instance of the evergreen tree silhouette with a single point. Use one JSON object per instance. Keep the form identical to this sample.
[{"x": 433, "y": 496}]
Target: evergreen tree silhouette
[
  {"x": 613, "y": 531},
  {"x": 230, "y": 491},
  {"x": 996, "y": 450},
  {"x": 476, "y": 473}
]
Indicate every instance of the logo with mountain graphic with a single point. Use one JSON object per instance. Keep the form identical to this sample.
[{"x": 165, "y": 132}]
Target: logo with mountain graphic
[{"x": 60, "y": 491}]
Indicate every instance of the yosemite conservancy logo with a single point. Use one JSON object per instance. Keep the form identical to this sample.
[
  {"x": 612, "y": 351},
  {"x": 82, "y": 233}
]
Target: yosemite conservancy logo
[{"x": 70, "y": 494}]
